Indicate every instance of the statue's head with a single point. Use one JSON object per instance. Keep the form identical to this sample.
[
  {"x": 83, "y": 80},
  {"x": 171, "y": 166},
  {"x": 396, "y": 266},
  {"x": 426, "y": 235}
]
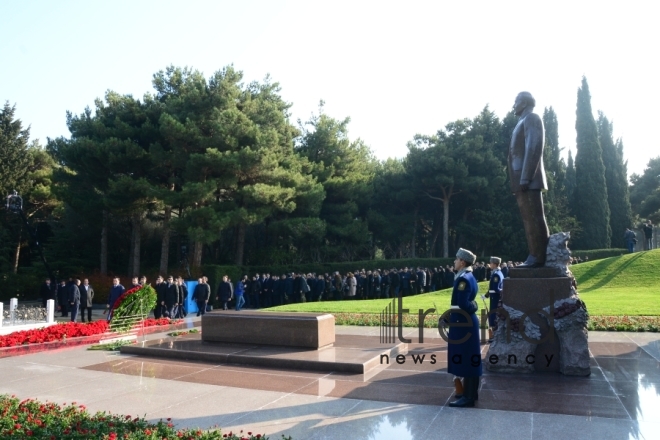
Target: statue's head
[{"x": 523, "y": 100}]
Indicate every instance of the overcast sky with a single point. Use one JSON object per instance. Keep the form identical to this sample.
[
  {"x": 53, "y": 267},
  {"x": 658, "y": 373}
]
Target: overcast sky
[{"x": 396, "y": 68}]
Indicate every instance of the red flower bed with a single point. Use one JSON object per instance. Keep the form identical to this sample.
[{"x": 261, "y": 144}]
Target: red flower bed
[
  {"x": 151, "y": 322},
  {"x": 62, "y": 331},
  {"x": 52, "y": 333},
  {"x": 45, "y": 420}
]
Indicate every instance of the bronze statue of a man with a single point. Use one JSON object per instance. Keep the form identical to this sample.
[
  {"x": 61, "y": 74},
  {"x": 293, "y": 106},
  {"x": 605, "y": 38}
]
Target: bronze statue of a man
[{"x": 527, "y": 177}]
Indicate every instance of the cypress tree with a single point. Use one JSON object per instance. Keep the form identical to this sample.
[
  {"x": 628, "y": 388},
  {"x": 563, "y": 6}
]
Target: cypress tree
[
  {"x": 590, "y": 194},
  {"x": 616, "y": 179},
  {"x": 570, "y": 177},
  {"x": 556, "y": 205}
]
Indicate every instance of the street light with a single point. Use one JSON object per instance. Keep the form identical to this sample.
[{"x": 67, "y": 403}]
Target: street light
[{"x": 15, "y": 205}]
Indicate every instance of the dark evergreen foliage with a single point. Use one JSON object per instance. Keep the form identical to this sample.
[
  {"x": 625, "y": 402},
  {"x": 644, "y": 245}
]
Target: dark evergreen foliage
[
  {"x": 645, "y": 191},
  {"x": 590, "y": 194},
  {"x": 210, "y": 172},
  {"x": 617, "y": 182}
]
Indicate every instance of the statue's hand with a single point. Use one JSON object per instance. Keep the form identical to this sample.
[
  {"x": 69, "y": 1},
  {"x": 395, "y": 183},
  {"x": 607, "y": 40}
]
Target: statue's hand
[{"x": 524, "y": 185}]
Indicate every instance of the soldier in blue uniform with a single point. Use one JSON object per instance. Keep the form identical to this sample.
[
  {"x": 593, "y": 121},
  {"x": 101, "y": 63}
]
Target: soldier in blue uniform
[
  {"x": 464, "y": 358},
  {"x": 494, "y": 293}
]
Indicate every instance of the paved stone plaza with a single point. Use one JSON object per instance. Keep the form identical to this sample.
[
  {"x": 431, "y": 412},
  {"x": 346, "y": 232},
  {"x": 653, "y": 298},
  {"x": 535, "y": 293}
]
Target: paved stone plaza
[{"x": 620, "y": 400}]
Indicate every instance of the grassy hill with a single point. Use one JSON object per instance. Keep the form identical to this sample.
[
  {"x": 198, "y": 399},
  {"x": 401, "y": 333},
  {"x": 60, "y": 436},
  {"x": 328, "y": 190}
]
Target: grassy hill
[{"x": 624, "y": 285}]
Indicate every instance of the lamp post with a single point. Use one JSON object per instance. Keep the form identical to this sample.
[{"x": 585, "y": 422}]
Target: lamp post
[{"x": 15, "y": 205}]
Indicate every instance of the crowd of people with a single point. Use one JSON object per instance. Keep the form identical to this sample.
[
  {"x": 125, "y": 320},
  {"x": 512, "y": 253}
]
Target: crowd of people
[
  {"x": 268, "y": 290},
  {"x": 74, "y": 297}
]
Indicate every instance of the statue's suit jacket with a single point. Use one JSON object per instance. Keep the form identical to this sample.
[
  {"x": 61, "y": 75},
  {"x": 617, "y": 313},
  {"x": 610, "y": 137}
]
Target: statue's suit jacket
[{"x": 526, "y": 154}]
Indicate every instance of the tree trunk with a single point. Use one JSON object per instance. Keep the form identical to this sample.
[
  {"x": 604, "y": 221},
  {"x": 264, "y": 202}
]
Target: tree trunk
[
  {"x": 445, "y": 227},
  {"x": 435, "y": 231},
  {"x": 165, "y": 244},
  {"x": 240, "y": 243},
  {"x": 104, "y": 244},
  {"x": 17, "y": 254},
  {"x": 198, "y": 246},
  {"x": 136, "y": 239},
  {"x": 414, "y": 235}
]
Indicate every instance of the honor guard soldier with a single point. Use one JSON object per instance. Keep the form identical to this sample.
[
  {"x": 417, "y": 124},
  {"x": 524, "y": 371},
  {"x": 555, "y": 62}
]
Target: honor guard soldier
[
  {"x": 494, "y": 293},
  {"x": 464, "y": 348}
]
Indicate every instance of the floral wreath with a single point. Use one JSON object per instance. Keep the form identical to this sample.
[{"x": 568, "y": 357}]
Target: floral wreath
[{"x": 134, "y": 303}]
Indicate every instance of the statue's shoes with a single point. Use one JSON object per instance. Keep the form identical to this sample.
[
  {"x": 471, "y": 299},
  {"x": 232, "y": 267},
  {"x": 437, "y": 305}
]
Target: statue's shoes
[{"x": 530, "y": 263}]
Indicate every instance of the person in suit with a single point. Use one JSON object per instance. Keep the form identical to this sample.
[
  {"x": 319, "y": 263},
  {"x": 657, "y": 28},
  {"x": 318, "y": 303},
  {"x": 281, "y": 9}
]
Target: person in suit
[
  {"x": 319, "y": 288},
  {"x": 116, "y": 291},
  {"x": 464, "y": 358},
  {"x": 74, "y": 299},
  {"x": 494, "y": 293},
  {"x": 160, "y": 297},
  {"x": 172, "y": 296},
  {"x": 45, "y": 292},
  {"x": 395, "y": 283},
  {"x": 504, "y": 269},
  {"x": 62, "y": 297},
  {"x": 255, "y": 292},
  {"x": 86, "y": 296},
  {"x": 385, "y": 284},
  {"x": 201, "y": 295},
  {"x": 527, "y": 176},
  {"x": 224, "y": 292},
  {"x": 648, "y": 235},
  {"x": 183, "y": 298}
]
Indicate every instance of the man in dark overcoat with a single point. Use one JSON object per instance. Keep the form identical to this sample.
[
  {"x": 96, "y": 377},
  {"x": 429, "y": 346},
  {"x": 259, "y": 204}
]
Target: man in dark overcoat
[
  {"x": 62, "y": 296},
  {"x": 172, "y": 295},
  {"x": 116, "y": 291},
  {"x": 224, "y": 292}
]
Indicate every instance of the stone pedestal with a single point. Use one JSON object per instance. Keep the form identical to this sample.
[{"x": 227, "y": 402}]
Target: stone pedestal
[
  {"x": 530, "y": 296},
  {"x": 543, "y": 324}
]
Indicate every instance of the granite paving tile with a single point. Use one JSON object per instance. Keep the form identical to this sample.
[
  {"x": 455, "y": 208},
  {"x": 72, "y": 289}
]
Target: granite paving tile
[{"x": 553, "y": 426}]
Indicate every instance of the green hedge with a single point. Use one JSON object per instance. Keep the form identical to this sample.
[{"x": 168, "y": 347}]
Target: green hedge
[{"x": 597, "y": 254}]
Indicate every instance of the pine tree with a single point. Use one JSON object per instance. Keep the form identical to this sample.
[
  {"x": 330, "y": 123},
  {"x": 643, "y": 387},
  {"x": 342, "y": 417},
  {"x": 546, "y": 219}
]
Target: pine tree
[
  {"x": 617, "y": 181},
  {"x": 15, "y": 159},
  {"x": 590, "y": 194},
  {"x": 346, "y": 169}
]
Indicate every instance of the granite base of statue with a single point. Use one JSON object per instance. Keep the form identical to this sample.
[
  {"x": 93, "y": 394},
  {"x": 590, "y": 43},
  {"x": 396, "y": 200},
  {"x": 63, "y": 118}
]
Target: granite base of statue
[{"x": 542, "y": 324}]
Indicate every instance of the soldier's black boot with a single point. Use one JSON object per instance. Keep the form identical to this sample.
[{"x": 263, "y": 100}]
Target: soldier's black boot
[{"x": 469, "y": 393}]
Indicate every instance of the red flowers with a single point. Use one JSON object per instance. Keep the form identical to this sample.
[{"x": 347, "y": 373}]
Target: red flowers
[
  {"x": 55, "y": 332},
  {"x": 124, "y": 295},
  {"x": 63, "y": 331},
  {"x": 62, "y": 422}
]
